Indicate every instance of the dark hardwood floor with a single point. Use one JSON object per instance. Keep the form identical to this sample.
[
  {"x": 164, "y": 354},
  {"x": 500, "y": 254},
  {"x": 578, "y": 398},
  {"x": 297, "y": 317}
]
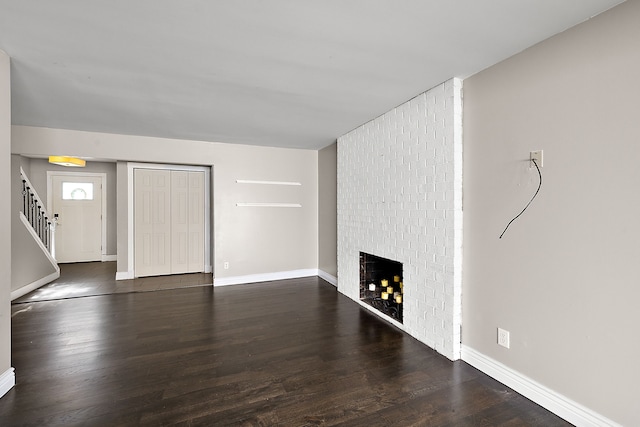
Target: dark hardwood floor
[{"x": 285, "y": 353}]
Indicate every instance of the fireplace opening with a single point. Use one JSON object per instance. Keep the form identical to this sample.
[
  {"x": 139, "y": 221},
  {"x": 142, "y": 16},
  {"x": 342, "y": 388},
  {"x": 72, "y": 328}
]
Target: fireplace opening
[{"x": 381, "y": 285}]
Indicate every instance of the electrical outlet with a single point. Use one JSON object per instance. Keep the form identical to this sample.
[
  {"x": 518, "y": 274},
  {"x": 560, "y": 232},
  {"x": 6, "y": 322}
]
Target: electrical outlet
[
  {"x": 503, "y": 337},
  {"x": 226, "y": 265},
  {"x": 537, "y": 156}
]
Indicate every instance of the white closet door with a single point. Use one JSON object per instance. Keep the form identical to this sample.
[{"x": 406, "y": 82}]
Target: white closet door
[
  {"x": 196, "y": 222},
  {"x": 179, "y": 222},
  {"x": 169, "y": 222},
  {"x": 152, "y": 210}
]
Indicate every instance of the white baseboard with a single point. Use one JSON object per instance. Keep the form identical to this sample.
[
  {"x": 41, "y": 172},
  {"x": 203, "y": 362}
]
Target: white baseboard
[
  {"x": 106, "y": 258},
  {"x": 328, "y": 277},
  {"x": 543, "y": 396},
  {"x": 127, "y": 275},
  {"x": 208, "y": 268},
  {"x": 35, "y": 285},
  {"x": 7, "y": 381},
  {"x": 266, "y": 277},
  {"x": 124, "y": 275}
]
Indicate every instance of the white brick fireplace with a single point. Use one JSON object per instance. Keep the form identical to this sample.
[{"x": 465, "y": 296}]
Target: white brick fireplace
[{"x": 400, "y": 197}]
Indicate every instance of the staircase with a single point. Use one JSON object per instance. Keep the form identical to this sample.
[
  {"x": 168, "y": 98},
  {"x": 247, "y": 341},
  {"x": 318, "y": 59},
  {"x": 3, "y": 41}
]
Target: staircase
[
  {"x": 34, "y": 212},
  {"x": 36, "y": 264}
]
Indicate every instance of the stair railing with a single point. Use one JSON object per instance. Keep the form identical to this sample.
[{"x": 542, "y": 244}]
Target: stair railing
[{"x": 35, "y": 212}]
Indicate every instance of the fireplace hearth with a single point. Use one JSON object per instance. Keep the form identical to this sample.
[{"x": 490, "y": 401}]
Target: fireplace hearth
[{"x": 381, "y": 285}]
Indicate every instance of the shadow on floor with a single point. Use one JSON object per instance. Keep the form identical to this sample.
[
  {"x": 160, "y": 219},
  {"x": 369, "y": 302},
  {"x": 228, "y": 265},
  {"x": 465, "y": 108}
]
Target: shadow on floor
[{"x": 98, "y": 278}]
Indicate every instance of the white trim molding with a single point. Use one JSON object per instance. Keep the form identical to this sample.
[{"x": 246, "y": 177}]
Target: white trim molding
[
  {"x": 328, "y": 277},
  {"x": 265, "y": 277},
  {"x": 124, "y": 275},
  {"x": 560, "y": 405},
  {"x": 107, "y": 258},
  {"x": 34, "y": 285},
  {"x": 7, "y": 381}
]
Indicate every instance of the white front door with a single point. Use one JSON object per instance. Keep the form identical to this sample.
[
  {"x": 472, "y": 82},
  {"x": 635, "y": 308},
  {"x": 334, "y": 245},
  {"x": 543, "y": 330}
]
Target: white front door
[{"x": 77, "y": 202}]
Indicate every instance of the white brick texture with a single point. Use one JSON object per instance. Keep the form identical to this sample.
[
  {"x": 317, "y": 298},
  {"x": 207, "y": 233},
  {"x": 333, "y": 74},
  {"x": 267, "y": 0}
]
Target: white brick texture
[{"x": 400, "y": 197}]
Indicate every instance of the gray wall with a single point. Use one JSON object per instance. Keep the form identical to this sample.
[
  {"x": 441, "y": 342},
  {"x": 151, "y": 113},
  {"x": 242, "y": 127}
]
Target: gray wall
[
  {"x": 252, "y": 240},
  {"x": 122, "y": 216},
  {"x": 327, "y": 209},
  {"x": 564, "y": 279},
  {"x": 38, "y": 177},
  {"x": 5, "y": 214}
]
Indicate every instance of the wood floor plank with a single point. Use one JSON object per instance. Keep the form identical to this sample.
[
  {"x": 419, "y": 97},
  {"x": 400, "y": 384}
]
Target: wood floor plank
[{"x": 287, "y": 353}]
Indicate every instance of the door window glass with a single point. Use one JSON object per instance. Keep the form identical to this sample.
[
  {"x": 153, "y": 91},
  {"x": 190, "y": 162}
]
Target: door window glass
[{"x": 77, "y": 191}]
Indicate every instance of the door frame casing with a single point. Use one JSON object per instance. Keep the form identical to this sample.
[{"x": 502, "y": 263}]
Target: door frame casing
[
  {"x": 130, "y": 274},
  {"x": 103, "y": 208}
]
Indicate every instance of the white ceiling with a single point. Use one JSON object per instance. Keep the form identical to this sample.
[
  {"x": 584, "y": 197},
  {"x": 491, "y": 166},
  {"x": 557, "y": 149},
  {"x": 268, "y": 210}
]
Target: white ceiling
[{"x": 287, "y": 73}]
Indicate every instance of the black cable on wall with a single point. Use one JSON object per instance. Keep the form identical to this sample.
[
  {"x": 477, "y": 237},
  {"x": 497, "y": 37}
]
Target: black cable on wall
[{"x": 525, "y": 208}]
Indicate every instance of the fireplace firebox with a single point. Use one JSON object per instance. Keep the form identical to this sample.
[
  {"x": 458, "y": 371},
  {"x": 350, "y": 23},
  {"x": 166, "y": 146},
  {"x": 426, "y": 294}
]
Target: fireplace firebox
[{"x": 381, "y": 285}]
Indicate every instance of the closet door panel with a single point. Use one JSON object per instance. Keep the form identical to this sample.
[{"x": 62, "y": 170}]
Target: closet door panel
[
  {"x": 196, "y": 221},
  {"x": 152, "y": 213},
  {"x": 179, "y": 222}
]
